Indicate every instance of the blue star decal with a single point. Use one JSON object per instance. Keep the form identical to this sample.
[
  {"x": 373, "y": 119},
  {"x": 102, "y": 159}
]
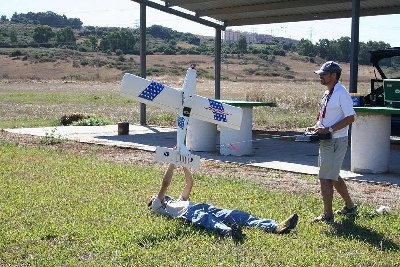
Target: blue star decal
[
  {"x": 181, "y": 122},
  {"x": 218, "y": 110},
  {"x": 152, "y": 91}
]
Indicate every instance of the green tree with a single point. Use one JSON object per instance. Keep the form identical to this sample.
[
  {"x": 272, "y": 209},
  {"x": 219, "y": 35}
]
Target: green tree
[
  {"x": 190, "y": 38},
  {"x": 74, "y": 23},
  {"x": 3, "y": 18},
  {"x": 123, "y": 39},
  {"x": 242, "y": 44},
  {"x": 306, "y": 48},
  {"x": 66, "y": 37},
  {"x": 170, "y": 49},
  {"x": 373, "y": 45},
  {"x": 42, "y": 34},
  {"x": 278, "y": 52},
  {"x": 344, "y": 48},
  {"x": 229, "y": 48},
  {"x": 93, "y": 42},
  {"x": 46, "y": 18},
  {"x": 158, "y": 31},
  {"x": 13, "y": 37},
  {"x": 363, "y": 53},
  {"x": 323, "y": 48}
]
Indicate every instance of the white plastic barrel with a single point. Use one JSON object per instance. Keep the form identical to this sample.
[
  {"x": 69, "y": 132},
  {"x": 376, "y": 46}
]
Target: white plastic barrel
[
  {"x": 238, "y": 142},
  {"x": 370, "y": 143},
  {"x": 201, "y": 136}
]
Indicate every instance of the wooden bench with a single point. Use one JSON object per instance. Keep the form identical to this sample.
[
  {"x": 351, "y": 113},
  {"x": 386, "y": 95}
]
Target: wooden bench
[{"x": 202, "y": 136}]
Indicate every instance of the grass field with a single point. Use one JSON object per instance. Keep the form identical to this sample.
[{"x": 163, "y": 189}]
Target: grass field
[
  {"x": 30, "y": 104},
  {"x": 38, "y": 94},
  {"x": 64, "y": 210}
]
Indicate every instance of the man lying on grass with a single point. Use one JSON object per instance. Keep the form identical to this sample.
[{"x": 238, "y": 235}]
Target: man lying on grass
[{"x": 223, "y": 221}]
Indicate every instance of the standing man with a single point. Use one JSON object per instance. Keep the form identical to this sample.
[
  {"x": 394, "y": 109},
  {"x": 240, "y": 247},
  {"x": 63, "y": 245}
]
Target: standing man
[{"x": 335, "y": 115}]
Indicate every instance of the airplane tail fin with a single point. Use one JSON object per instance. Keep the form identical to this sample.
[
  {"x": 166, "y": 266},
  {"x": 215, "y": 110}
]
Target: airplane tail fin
[{"x": 169, "y": 155}]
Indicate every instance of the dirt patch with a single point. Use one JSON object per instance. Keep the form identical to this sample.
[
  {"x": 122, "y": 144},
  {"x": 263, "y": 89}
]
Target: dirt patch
[{"x": 291, "y": 183}]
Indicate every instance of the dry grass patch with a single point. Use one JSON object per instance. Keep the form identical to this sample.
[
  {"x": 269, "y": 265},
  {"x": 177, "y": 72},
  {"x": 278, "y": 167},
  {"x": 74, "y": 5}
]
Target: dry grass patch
[{"x": 14, "y": 69}]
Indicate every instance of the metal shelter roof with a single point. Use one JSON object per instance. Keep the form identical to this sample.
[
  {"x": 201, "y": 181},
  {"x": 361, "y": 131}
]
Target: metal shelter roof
[
  {"x": 224, "y": 13},
  {"x": 250, "y": 12}
]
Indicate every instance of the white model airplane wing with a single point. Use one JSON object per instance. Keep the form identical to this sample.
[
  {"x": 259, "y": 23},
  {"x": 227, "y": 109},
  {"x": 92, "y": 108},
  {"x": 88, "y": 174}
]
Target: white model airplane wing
[
  {"x": 151, "y": 93},
  {"x": 170, "y": 99},
  {"x": 213, "y": 111}
]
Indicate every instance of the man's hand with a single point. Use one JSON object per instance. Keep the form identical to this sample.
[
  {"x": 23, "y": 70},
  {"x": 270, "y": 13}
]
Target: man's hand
[
  {"x": 312, "y": 129},
  {"x": 184, "y": 152}
]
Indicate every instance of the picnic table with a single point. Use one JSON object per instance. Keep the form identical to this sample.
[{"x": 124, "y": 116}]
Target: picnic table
[
  {"x": 370, "y": 139},
  {"x": 202, "y": 136}
]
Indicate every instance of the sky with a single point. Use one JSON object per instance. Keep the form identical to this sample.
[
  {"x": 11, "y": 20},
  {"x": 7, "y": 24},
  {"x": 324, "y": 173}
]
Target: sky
[{"x": 125, "y": 13}]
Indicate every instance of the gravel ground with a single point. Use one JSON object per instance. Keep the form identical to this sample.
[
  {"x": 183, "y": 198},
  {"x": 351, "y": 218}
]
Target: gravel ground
[{"x": 272, "y": 180}]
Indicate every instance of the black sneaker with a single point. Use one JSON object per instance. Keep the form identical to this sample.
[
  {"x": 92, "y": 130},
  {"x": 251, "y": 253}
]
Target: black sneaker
[
  {"x": 287, "y": 225},
  {"x": 347, "y": 211},
  {"x": 324, "y": 218},
  {"x": 236, "y": 232}
]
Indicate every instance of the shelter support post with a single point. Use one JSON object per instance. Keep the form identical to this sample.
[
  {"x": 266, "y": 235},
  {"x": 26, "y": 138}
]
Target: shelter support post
[
  {"x": 217, "y": 63},
  {"x": 355, "y": 29},
  {"x": 142, "y": 57}
]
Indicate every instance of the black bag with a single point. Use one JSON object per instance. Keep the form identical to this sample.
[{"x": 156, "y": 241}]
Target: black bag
[
  {"x": 307, "y": 137},
  {"x": 326, "y": 136},
  {"x": 312, "y": 137}
]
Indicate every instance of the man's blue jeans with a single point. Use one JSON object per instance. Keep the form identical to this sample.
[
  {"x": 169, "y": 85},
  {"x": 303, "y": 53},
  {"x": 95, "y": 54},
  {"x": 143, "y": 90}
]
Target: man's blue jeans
[{"x": 219, "y": 220}]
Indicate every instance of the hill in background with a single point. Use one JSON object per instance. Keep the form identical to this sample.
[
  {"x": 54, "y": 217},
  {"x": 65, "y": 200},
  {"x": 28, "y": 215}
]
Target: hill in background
[{"x": 47, "y": 46}]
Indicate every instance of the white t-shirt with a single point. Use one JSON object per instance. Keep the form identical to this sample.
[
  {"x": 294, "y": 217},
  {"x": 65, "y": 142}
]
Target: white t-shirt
[
  {"x": 339, "y": 106},
  {"x": 170, "y": 207}
]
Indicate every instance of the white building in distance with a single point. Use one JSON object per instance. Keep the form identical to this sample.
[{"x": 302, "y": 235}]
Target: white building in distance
[{"x": 253, "y": 38}]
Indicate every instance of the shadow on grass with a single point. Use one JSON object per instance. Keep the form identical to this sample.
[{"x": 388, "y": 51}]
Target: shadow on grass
[
  {"x": 185, "y": 229},
  {"x": 349, "y": 229}
]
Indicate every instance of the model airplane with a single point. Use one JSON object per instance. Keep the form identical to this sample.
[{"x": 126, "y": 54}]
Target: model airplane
[{"x": 184, "y": 103}]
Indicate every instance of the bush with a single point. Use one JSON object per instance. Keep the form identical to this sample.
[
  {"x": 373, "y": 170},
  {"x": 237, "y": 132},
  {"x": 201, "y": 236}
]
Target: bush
[
  {"x": 288, "y": 76},
  {"x": 84, "y": 62},
  {"x": 121, "y": 58},
  {"x": 51, "y": 138},
  {"x": 16, "y": 53},
  {"x": 279, "y": 52},
  {"x": 91, "y": 122},
  {"x": 69, "y": 119}
]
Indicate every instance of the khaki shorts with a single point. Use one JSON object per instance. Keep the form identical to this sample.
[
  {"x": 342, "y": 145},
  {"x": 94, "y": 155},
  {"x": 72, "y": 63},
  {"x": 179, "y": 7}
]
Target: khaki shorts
[{"x": 331, "y": 155}]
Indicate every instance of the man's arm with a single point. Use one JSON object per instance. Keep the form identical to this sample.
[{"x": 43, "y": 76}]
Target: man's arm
[
  {"x": 343, "y": 123},
  {"x": 340, "y": 125},
  {"x": 189, "y": 184},
  {"x": 166, "y": 182}
]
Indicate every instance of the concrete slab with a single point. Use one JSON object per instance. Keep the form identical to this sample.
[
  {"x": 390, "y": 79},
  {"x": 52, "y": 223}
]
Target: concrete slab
[{"x": 272, "y": 153}]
